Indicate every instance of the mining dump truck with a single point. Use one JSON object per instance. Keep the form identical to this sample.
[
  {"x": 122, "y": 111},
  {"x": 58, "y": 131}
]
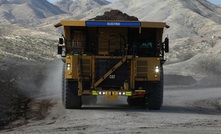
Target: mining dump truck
[{"x": 112, "y": 59}]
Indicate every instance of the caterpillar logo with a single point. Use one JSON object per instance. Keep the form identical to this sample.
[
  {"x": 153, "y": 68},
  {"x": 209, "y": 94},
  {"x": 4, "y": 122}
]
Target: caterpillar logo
[{"x": 112, "y": 76}]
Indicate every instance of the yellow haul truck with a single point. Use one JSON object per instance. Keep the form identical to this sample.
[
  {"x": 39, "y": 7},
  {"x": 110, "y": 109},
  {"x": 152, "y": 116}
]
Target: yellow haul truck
[{"x": 112, "y": 59}]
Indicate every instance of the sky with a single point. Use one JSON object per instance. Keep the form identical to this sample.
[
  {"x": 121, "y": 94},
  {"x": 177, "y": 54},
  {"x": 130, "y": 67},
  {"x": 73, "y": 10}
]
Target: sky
[
  {"x": 212, "y": 1},
  {"x": 215, "y": 1}
]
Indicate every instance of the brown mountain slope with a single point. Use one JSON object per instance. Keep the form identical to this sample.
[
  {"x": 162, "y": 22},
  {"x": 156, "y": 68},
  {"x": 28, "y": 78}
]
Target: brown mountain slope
[
  {"x": 77, "y": 7},
  {"x": 28, "y": 9}
]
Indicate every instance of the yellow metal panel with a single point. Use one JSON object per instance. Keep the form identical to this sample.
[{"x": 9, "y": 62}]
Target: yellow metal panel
[
  {"x": 73, "y": 23},
  {"x": 153, "y": 24},
  {"x": 145, "y": 69},
  {"x": 112, "y": 57},
  {"x": 152, "y": 63},
  {"x": 86, "y": 65},
  {"x": 73, "y": 61},
  {"x": 141, "y": 65},
  {"x": 67, "y": 33},
  {"x": 69, "y": 73}
]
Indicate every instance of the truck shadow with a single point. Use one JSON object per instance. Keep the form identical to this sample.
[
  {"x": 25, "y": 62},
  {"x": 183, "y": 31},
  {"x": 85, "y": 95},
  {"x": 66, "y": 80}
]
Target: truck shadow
[{"x": 164, "y": 109}]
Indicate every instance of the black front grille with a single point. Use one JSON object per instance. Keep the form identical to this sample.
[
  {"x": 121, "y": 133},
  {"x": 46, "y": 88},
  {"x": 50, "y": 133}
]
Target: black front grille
[{"x": 117, "y": 78}]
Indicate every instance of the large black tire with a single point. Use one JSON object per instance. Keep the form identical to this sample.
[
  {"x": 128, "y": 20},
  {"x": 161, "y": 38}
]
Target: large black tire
[
  {"x": 70, "y": 97},
  {"x": 134, "y": 101},
  {"x": 130, "y": 101},
  {"x": 154, "y": 98}
]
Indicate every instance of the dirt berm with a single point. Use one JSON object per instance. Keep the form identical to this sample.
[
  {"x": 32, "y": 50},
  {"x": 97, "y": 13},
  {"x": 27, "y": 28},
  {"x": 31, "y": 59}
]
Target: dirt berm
[{"x": 20, "y": 84}]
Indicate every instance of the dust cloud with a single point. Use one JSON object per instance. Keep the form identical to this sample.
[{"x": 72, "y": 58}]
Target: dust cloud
[
  {"x": 39, "y": 79},
  {"x": 52, "y": 83}
]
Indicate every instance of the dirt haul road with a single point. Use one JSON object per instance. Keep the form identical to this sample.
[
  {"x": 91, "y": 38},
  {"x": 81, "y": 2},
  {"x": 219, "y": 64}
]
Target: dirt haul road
[{"x": 195, "y": 111}]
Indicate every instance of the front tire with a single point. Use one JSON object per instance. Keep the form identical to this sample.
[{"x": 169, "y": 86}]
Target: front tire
[
  {"x": 154, "y": 96},
  {"x": 70, "y": 97},
  {"x": 134, "y": 101}
]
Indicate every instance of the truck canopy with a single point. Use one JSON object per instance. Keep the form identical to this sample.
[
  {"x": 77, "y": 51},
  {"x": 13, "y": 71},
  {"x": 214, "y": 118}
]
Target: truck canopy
[{"x": 138, "y": 24}]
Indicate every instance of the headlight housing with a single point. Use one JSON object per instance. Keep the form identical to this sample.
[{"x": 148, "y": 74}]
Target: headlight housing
[
  {"x": 157, "y": 69},
  {"x": 68, "y": 66}
]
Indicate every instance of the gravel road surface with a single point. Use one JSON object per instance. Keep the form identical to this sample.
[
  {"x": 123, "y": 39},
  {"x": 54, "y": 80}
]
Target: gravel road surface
[{"x": 195, "y": 111}]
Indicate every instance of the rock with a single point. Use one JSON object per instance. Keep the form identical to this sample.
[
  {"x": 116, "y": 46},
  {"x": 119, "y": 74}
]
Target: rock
[{"x": 12, "y": 80}]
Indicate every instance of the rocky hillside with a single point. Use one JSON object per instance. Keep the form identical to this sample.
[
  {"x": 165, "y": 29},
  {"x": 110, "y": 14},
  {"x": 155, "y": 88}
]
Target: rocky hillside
[
  {"x": 25, "y": 44},
  {"x": 77, "y": 7},
  {"x": 195, "y": 25},
  {"x": 27, "y": 9}
]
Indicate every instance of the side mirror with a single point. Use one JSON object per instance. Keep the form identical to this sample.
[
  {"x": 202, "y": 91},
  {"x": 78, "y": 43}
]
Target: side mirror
[
  {"x": 61, "y": 41},
  {"x": 59, "y": 49},
  {"x": 166, "y": 43}
]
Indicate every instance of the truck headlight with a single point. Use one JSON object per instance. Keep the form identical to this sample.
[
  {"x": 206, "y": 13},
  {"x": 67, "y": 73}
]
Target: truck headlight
[
  {"x": 68, "y": 66},
  {"x": 157, "y": 69}
]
